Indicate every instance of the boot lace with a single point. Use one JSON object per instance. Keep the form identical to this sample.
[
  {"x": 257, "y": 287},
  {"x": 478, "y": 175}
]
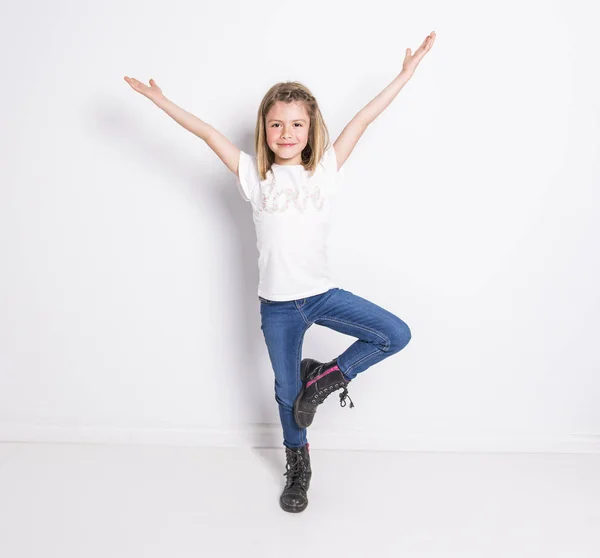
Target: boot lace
[
  {"x": 343, "y": 396},
  {"x": 295, "y": 470},
  {"x": 323, "y": 394}
]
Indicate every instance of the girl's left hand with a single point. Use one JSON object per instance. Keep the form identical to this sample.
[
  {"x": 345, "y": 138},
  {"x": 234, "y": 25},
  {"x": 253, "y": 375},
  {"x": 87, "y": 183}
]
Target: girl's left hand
[{"x": 412, "y": 61}]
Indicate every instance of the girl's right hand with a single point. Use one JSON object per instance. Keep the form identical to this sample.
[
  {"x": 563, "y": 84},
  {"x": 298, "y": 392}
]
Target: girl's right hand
[{"x": 153, "y": 92}]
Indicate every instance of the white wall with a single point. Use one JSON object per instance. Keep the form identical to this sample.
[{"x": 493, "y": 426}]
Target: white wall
[{"x": 128, "y": 259}]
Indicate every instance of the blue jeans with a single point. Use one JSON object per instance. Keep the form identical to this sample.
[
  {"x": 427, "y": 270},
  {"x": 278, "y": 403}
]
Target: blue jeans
[{"x": 380, "y": 334}]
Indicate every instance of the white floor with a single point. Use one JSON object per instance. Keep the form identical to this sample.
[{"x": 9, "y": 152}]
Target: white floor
[{"x": 87, "y": 501}]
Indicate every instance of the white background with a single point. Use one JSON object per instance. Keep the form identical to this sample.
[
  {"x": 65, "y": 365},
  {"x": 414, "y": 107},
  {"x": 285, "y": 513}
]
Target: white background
[{"x": 128, "y": 307}]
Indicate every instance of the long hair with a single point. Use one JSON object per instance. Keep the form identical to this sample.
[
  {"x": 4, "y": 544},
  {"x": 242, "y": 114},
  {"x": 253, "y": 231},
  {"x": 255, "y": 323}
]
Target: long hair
[{"x": 318, "y": 135}]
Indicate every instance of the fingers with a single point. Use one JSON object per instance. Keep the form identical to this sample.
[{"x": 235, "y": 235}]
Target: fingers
[
  {"x": 429, "y": 37},
  {"x": 133, "y": 82},
  {"x": 137, "y": 85},
  {"x": 428, "y": 42}
]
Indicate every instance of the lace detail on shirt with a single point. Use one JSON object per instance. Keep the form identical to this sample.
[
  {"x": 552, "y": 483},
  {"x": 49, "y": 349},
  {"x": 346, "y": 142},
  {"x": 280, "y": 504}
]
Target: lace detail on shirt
[{"x": 277, "y": 199}]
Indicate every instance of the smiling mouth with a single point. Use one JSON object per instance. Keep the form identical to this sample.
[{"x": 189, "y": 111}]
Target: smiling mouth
[{"x": 287, "y": 144}]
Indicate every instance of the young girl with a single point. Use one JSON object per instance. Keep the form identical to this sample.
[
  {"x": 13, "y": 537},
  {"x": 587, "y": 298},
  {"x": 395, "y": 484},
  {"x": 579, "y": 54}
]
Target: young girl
[{"x": 290, "y": 185}]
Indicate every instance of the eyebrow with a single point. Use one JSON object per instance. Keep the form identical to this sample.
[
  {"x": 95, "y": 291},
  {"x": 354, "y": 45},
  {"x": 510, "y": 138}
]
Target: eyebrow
[{"x": 297, "y": 120}]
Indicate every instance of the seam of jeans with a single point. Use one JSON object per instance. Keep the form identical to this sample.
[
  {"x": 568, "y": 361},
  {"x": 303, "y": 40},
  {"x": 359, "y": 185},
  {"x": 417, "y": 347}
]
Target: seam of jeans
[
  {"x": 329, "y": 294},
  {"x": 298, "y": 374},
  {"x": 349, "y": 369},
  {"x": 342, "y": 321},
  {"x": 296, "y": 378},
  {"x": 306, "y": 320},
  {"x": 322, "y": 301}
]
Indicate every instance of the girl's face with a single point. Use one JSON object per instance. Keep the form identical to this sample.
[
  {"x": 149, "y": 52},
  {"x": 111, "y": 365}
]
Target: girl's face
[{"x": 287, "y": 126}]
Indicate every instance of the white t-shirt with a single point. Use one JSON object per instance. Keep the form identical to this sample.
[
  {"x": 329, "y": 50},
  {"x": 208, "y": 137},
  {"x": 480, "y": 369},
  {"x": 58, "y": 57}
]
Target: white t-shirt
[{"x": 292, "y": 217}]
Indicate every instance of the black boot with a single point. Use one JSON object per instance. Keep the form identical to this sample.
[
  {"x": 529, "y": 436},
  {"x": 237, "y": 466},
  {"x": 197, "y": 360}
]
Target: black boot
[
  {"x": 318, "y": 381},
  {"x": 298, "y": 472}
]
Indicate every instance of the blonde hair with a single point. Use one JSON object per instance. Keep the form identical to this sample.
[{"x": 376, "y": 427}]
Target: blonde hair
[{"x": 318, "y": 135}]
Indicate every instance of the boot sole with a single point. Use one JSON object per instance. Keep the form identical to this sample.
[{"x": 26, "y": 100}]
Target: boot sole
[
  {"x": 293, "y": 509},
  {"x": 303, "y": 368}
]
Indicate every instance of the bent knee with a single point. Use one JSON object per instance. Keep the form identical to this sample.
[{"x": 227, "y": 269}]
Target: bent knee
[{"x": 399, "y": 336}]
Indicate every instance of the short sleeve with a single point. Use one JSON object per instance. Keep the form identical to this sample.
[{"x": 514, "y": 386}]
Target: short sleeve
[
  {"x": 247, "y": 179},
  {"x": 335, "y": 178}
]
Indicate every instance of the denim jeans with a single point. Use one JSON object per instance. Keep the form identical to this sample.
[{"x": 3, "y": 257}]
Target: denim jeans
[{"x": 379, "y": 334}]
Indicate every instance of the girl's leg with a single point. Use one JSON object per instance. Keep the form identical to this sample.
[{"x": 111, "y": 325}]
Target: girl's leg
[
  {"x": 380, "y": 333},
  {"x": 284, "y": 328}
]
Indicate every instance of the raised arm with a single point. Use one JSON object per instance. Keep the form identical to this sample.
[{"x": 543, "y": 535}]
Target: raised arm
[
  {"x": 227, "y": 151},
  {"x": 353, "y": 131}
]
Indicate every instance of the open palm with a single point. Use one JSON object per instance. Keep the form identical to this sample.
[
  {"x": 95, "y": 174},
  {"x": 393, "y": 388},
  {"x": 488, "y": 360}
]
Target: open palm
[
  {"x": 153, "y": 92},
  {"x": 411, "y": 61}
]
